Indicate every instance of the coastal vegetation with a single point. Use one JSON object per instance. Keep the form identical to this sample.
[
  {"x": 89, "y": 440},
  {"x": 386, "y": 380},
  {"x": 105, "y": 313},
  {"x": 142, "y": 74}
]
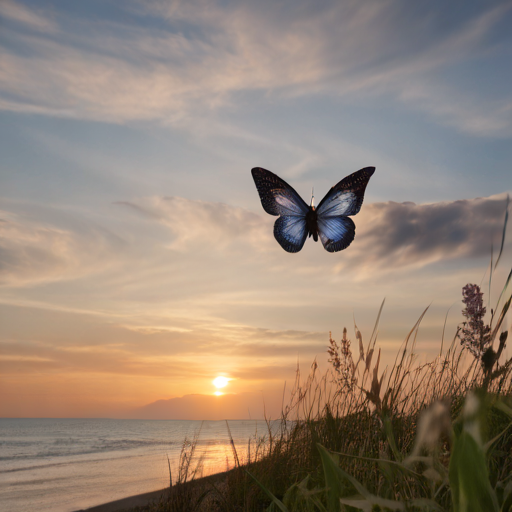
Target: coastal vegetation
[{"x": 433, "y": 436}]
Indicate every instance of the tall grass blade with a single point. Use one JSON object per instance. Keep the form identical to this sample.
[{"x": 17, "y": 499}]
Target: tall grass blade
[
  {"x": 490, "y": 278},
  {"x": 233, "y": 447},
  {"x": 335, "y": 476},
  {"x": 388, "y": 429},
  {"x": 375, "y": 326},
  {"x": 503, "y": 313},
  {"x": 170, "y": 472},
  {"x": 333, "y": 481},
  {"x": 504, "y": 288},
  {"x": 276, "y": 501},
  {"x": 469, "y": 479},
  {"x": 444, "y": 329},
  {"x": 504, "y": 232}
]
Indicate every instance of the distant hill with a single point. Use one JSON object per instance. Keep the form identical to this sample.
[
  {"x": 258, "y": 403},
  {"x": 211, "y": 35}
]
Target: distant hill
[{"x": 209, "y": 407}]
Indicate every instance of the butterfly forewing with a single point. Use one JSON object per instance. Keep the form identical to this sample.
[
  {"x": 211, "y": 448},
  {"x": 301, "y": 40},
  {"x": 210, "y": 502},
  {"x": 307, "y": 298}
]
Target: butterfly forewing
[
  {"x": 336, "y": 233},
  {"x": 340, "y": 203},
  {"x": 277, "y": 197},
  {"x": 346, "y": 197},
  {"x": 291, "y": 232}
]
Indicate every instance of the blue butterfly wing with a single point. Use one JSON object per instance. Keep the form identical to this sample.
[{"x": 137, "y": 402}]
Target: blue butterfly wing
[
  {"x": 277, "y": 197},
  {"x": 346, "y": 197},
  {"x": 335, "y": 229},
  {"x": 336, "y": 233},
  {"x": 291, "y": 232}
]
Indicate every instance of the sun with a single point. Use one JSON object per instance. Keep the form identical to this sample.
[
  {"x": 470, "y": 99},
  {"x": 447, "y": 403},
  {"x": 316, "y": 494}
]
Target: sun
[{"x": 220, "y": 382}]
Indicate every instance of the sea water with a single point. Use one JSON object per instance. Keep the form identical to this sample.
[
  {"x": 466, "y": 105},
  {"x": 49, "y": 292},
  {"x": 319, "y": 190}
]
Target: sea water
[{"x": 63, "y": 465}]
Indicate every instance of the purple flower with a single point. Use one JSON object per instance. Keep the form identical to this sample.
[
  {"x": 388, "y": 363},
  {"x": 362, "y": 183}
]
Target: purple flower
[{"x": 473, "y": 333}]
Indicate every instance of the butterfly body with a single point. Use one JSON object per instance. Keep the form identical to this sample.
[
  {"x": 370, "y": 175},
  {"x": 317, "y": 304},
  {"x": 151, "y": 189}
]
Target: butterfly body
[
  {"x": 329, "y": 221},
  {"x": 312, "y": 223}
]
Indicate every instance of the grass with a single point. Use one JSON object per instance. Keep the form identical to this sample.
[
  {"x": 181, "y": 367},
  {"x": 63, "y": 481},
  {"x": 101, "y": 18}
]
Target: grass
[{"x": 434, "y": 436}]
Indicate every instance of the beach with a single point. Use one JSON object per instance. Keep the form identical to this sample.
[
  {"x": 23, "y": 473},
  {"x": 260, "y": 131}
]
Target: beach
[
  {"x": 64, "y": 465},
  {"x": 126, "y": 504},
  {"x": 142, "y": 500}
]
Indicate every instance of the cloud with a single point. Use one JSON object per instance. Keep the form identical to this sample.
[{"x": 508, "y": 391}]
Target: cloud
[
  {"x": 33, "y": 252},
  {"x": 170, "y": 238},
  {"x": 187, "y": 289},
  {"x": 181, "y": 76},
  {"x": 394, "y": 235},
  {"x": 29, "y": 356},
  {"x": 207, "y": 224},
  {"x": 17, "y": 12},
  {"x": 87, "y": 344},
  {"x": 390, "y": 235},
  {"x": 464, "y": 110}
]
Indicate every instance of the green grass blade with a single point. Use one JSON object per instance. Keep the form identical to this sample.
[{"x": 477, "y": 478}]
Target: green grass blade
[
  {"x": 469, "y": 478},
  {"x": 335, "y": 476},
  {"x": 388, "y": 429},
  {"x": 426, "y": 504},
  {"x": 500, "y": 405},
  {"x": 382, "y": 504},
  {"x": 275, "y": 500},
  {"x": 506, "y": 506},
  {"x": 333, "y": 479}
]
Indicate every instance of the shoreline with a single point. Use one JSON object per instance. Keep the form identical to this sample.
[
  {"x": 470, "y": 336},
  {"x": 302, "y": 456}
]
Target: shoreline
[{"x": 131, "y": 503}]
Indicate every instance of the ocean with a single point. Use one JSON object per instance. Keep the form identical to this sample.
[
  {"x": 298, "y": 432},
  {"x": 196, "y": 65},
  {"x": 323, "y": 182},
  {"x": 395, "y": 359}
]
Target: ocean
[{"x": 64, "y": 465}]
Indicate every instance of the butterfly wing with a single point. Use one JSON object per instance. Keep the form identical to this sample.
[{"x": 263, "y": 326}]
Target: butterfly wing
[
  {"x": 336, "y": 233},
  {"x": 336, "y": 230},
  {"x": 346, "y": 197},
  {"x": 277, "y": 197},
  {"x": 291, "y": 232}
]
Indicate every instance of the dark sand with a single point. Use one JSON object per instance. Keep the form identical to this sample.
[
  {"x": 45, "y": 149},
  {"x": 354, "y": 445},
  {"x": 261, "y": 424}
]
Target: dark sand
[
  {"x": 142, "y": 500},
  {"x": 127, "y": 504}
]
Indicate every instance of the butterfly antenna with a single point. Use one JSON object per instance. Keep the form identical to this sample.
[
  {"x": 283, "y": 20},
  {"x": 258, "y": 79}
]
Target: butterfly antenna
[{"x": 313, "y": 198}]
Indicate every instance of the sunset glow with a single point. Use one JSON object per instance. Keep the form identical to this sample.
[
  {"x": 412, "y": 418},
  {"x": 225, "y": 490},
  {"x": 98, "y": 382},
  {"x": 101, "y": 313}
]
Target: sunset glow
[
  {"x": 136, "y": 260},
  {"x": 220, "y": 382}
]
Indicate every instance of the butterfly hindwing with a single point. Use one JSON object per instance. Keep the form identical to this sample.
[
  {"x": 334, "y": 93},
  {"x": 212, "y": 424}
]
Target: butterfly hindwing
[
  {"x": 346, "y": 197},
  {"x": 291, "y": 232},
  {"x": 336, "y": 233},
  {"x": 277, "y": 197}
]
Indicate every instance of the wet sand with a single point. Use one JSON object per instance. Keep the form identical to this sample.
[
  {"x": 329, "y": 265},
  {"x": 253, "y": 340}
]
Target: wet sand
[{"x": 142, "y": 500}]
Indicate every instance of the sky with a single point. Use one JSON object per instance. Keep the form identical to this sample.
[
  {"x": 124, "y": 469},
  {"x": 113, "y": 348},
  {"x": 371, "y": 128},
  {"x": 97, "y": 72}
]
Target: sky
[{"x": 136, "y": 261}]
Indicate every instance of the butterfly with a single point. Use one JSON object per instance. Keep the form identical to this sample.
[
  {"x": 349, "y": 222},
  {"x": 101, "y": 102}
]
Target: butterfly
[{"x": 329, "y": 220}]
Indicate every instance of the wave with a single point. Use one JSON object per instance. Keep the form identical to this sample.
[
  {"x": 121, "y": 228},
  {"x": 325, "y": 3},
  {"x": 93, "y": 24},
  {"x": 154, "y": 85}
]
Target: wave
[
  {"x": 56, "y": 464},
  {"x": 80, "y": 448}
]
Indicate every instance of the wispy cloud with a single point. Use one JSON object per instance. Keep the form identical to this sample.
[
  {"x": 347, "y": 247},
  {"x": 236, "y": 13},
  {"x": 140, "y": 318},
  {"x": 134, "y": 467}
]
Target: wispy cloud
[
  {"x": 34, "y": 251},
  {"x": 172, "y": 75},
  {"x": 205, "y": 224},
  {"x": 391, "y": 235},
  {"x": 33, "y": 18},
  {"x": 216, "y": 237}
]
